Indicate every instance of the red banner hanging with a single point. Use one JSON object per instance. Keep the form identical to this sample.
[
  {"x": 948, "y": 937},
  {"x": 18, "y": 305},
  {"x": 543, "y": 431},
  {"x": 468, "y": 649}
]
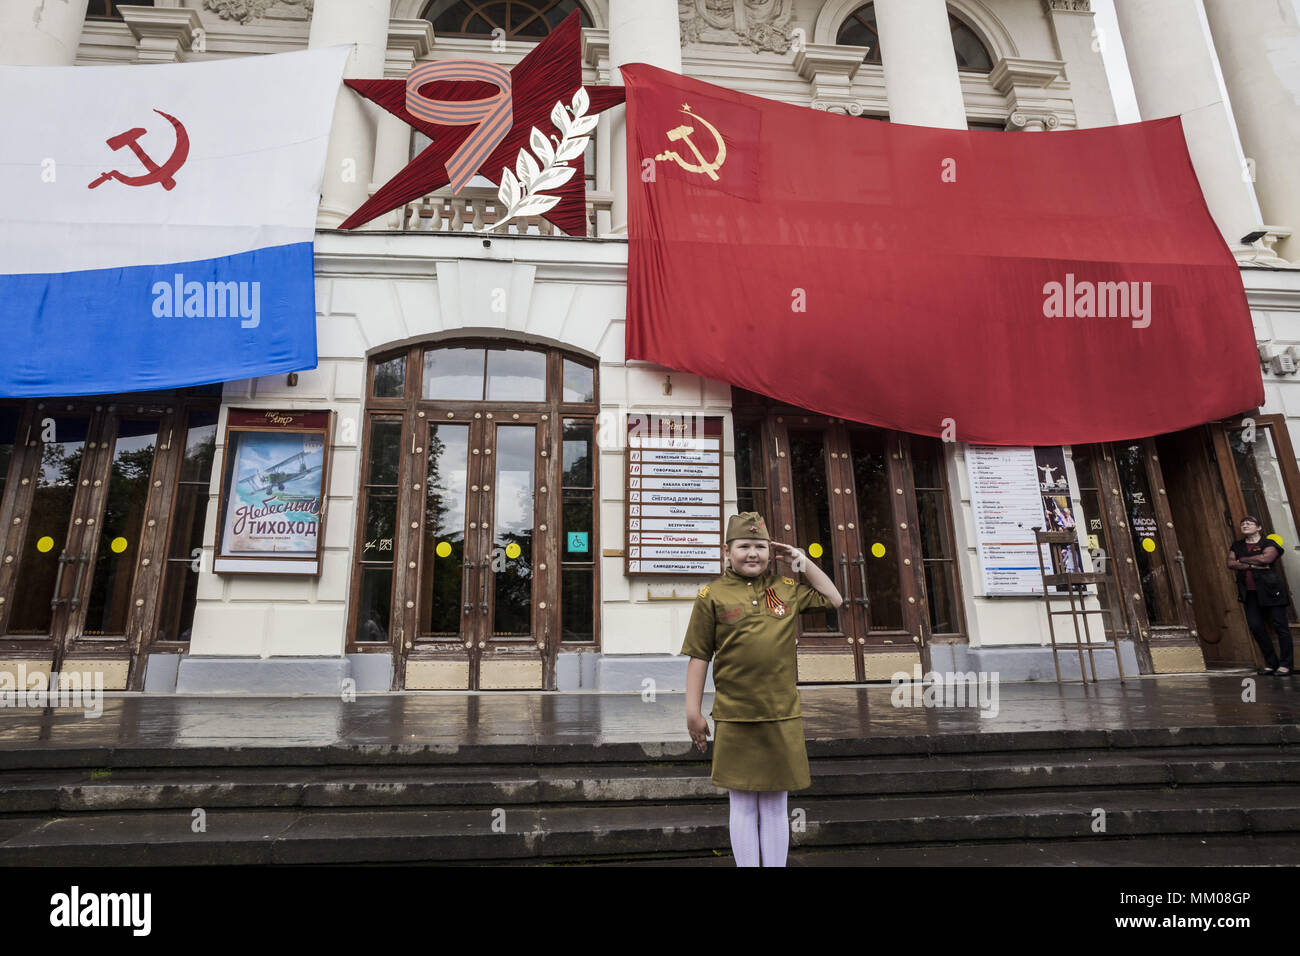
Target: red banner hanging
[{"x": 999, "y": 288}]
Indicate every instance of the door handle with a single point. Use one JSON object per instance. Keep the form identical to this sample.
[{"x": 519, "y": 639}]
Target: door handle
[
  {"x": 844, "y": 574},
  {"x": 861, "y": 562},
  {"x": 55, "y": 601},
  {"x": 1187, "y": 587},
  {"x": 483, "y": 605},
  {"x": 465, "y": 569},
  {"x": 82, "y": 561}
]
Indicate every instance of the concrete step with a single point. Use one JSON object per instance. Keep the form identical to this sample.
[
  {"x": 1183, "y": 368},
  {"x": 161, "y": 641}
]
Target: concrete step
[
  {"x": 331, "y": 835},
  {"x": 32, "y": 753},
  {"x": 400, "y": 785}
]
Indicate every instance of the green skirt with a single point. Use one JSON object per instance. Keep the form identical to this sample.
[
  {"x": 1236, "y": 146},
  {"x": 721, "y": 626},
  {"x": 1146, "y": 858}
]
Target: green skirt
[{"x": 760, "y": 755}]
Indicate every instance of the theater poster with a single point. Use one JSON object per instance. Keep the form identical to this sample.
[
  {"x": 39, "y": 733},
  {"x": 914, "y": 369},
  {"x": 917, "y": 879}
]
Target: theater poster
[{"x": 273, "y": 492}]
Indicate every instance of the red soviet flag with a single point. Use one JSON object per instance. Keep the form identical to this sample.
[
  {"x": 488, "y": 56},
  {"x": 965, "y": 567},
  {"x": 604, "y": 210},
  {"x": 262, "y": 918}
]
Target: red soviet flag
[{"x": 998, "y": 288}]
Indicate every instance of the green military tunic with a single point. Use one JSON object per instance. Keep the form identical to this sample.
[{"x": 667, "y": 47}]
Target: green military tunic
[{"x": 747, "y": 627}]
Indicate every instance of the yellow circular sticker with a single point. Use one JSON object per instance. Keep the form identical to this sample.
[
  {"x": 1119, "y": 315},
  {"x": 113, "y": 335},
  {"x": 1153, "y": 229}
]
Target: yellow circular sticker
[
  {"x": 878, "y": 550},
  {"x": 443, "y": 549},
  {"x": 118, "y": 545},
  {"x": 1276, "y": 539},
  {"x": 44, "y": 544},
  {"x": 815, "y": 550},
  {"x": 1148, "y": 544},
  {"x": 513, "y": 550}
]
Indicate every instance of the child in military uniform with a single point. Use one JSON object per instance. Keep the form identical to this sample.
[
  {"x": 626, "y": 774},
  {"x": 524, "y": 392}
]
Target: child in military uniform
[{"x": 745, "y": 622}]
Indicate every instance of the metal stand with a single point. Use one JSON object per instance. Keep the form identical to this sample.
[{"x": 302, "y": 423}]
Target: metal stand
[{"x": 1076, "y": 583}]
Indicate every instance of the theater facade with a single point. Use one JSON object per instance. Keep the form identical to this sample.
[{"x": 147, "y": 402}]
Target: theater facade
[{"x": 475, "y": 489}]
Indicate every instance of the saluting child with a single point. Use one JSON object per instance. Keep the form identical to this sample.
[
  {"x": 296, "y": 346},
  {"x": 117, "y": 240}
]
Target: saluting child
[{"x": 744, "y": 621}]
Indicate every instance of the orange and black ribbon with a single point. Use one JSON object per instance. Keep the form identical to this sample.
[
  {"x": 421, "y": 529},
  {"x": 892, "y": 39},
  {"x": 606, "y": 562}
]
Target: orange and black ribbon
[{"x": 774, "y": 603}]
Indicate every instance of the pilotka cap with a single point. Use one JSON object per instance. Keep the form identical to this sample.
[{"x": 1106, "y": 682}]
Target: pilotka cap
[{"x": 747, "y": 524}]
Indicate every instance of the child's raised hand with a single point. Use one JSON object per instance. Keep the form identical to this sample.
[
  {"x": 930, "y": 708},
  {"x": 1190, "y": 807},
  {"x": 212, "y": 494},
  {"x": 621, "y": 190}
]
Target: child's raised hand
[{"x": 698, "y": 727}]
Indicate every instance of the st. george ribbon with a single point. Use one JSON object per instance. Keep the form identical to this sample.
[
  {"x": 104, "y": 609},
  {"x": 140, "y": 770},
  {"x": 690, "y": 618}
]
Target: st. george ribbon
[{"x": 493, "y": 115}]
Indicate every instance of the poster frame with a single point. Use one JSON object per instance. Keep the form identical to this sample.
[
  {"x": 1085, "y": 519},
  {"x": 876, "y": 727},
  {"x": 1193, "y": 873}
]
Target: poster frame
[{"x": 280, "y": 422}]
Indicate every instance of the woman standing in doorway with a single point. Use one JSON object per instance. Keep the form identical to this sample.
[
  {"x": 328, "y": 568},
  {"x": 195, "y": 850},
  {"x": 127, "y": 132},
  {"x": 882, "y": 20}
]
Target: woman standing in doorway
[
  {"x": 1260, "y": 588},
  {"x": 744, "y": 621}
]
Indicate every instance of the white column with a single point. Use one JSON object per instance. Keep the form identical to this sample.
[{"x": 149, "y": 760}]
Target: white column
[
  {"x": 1258, "y": 42},
  {"x": 408, "y": 42},
  {"x": 920, "y": 64},
  {"x": 1080, "y": 46},
  {"x": 1172, "y": 61},
  {"x": 349, "y": 161},
  {"x": 39, "y": 32},
  {"x": 640, "y": 31}
]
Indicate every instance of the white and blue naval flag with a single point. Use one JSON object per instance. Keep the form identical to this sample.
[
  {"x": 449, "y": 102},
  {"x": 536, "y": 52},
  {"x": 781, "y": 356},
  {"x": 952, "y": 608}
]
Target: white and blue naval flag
[{"x": 156, "y": 222}]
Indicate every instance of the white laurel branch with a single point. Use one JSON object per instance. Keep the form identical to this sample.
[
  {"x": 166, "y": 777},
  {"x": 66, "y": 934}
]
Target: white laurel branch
[{"x": 523, "y": 192}]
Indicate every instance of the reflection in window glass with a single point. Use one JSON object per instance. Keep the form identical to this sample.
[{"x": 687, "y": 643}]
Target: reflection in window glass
[
  {"x": 751, "y": 475},
  {"x": 579, "y": 382},
  {"x": 813, "y": 515},
  {"x": 455, "y": 374},
  {"x": 120, "y": 527},
  {"x": 516, "y": 376},
  {"x": 181, "y": 579},
  {"x": 877, "y": 526},
  {"x": 47, "y": 528},
  {"x": 390, "y": 378},
  {"x": 513, "y": 526},
  {"x": 442, "y": 561},
  {"x": 8, "y": 428}
]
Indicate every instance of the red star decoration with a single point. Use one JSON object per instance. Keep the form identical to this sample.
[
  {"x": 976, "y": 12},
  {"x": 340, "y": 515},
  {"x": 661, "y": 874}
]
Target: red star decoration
[{"x": 551, "y": 72}]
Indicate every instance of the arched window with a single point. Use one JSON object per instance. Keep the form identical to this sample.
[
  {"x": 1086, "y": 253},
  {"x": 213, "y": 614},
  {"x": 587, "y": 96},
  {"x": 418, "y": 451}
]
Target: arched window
[
  {"x": 860, "y": 30},
  {"x": 520, "y": 19}
]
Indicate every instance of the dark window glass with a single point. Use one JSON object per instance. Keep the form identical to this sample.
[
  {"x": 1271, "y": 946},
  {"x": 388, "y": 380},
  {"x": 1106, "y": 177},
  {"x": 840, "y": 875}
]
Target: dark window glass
[
  {"x": 8, "y": 432},
  {"x": 576, "y": 525},
  {"x": 390, "y": 378},
  {"x": 859, "y": 29},
  {"x": 577, "y": 605},
  {"x": 118, "y": 542},
  {"x": 935, "y": 526},
  {"x": 519, "y": 19},
  {"x": 62, "y": 442},
  {"x": 577, "y": 462},
  {"x": 751, "y": 470},
  {"x": 877, "y": 529},
  {"x": 373, "y": 606},
  {"x": 379, "y": 527},
  {"x": 811, "y": 500},
  {"x": 189, "y": 513},
  {"x": 385, "y": 451},
  {"x": 108, "y": 9}
]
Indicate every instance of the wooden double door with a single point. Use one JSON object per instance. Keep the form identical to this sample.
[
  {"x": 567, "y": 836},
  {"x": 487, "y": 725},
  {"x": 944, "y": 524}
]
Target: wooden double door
[
  {"x": 480, "y": 562},
  {"x": 870, "y": 507},
  {"x": 88, "y": 491},
  {"x": 1164, "y": 512}
]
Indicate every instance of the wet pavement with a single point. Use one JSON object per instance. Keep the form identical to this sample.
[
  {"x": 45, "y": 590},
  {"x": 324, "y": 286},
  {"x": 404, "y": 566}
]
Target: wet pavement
[{"x": 436, "y": 719}]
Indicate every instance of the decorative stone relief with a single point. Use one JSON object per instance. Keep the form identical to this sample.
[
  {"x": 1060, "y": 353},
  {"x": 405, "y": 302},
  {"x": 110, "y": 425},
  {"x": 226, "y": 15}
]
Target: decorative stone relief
[
  {"x": 242, "y": 11},
  {"x": 756, "y": 24}
]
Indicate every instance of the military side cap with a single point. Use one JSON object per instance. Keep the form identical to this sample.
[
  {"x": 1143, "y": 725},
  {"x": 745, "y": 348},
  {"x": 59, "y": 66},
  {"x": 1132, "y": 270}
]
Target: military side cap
[{"x": 747, "y": 524}]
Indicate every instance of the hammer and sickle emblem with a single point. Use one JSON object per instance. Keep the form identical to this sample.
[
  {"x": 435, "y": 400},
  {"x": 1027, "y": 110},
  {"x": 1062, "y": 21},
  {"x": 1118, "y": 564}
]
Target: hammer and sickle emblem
[
  {"x": 683, "y": 134},
  {"x": 156, "y": 174}
]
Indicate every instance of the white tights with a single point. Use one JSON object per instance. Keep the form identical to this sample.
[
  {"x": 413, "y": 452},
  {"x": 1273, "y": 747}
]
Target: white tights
[{"x": 758, "y": 819}]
